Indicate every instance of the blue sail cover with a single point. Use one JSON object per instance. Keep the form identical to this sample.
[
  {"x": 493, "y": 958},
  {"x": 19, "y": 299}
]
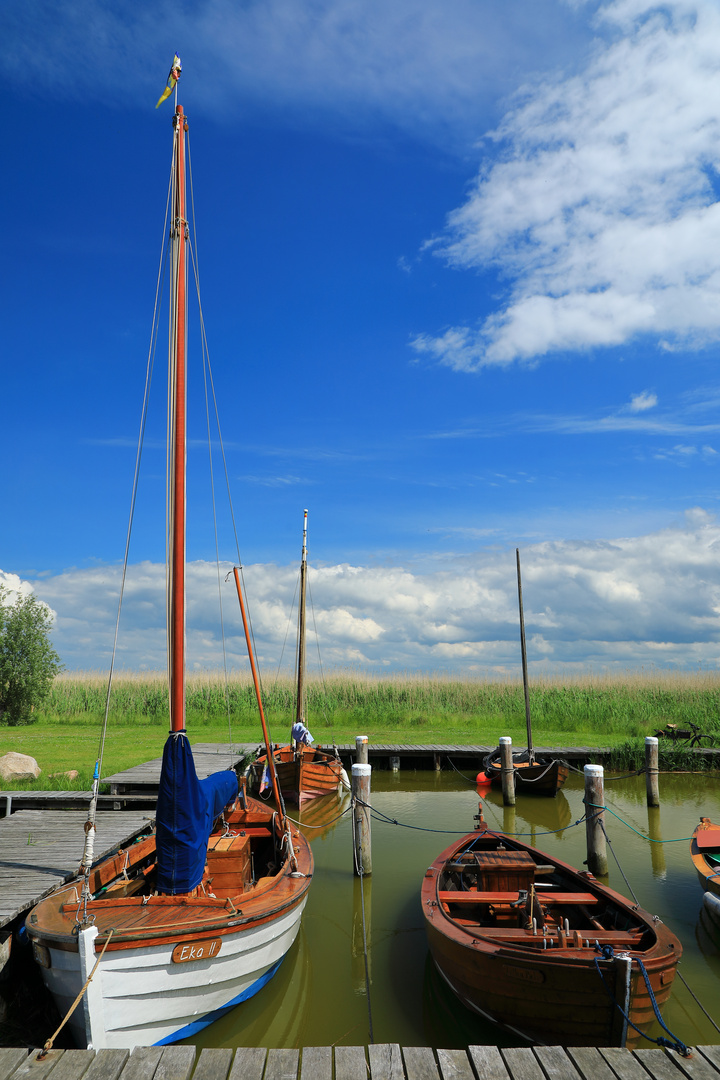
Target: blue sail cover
[{"x": 186, "y": 810}]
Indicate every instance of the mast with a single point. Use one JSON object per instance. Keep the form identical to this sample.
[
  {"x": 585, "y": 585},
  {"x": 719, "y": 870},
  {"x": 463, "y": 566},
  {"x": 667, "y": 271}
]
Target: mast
[
  {"x": 300, "y": 702},
  {"x": 531, "y": 752},
  {"x": 177, "y": 409}
]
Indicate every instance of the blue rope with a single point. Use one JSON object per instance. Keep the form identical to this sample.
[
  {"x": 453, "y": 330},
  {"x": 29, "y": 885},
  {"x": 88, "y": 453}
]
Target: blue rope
[{"x": 608, "y": 953}]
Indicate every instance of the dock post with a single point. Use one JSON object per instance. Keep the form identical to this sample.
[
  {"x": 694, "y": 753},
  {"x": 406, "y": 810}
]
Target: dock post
[
  {"x": 651, "y": 771},
  {"x": 362, "y": 756},
  {"x": 595, "y": 820},
  {"x": 507, "y": 770},
  {"x": 362, "y": 846}
]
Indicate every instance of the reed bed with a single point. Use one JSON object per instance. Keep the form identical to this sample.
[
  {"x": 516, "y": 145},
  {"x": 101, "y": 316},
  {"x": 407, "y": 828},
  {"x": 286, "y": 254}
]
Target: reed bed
[{"x": 619, "y": 705}]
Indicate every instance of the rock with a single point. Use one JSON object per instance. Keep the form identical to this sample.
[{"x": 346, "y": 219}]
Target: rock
[
  {"x": 15, "y": 766},
  {"x": 71, "y": 774}
]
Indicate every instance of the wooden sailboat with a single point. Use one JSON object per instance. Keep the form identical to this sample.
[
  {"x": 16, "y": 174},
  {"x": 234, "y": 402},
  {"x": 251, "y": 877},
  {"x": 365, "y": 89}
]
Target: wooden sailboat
[
  {"x": 537, "y": 775},
  {"x": 198, "y": 916},
  {"x": 705, "y": 854},
  {"x": 540, "y": 948},
  {"x": 305, "y": 772}
]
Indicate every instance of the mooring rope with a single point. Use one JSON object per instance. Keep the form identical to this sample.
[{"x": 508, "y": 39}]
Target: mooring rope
[
  {"x": 361, "y": 873},
  {"x": 673, "y": 1043},
  {"x": 650, "y": 839},
  {"x": 49, "y": 1044},
  {"x": 696, "y": 1000},
  {"x": 380, "y": 816}
]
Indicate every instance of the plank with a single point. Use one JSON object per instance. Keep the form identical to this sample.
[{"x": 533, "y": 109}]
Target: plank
[
  {"x": 522, "y": 1063},
  {"x": 454, "y": 1065},
  {"x": 419, "y": 1063},
  {"x": 555, "y": 1062},
  {"x": 710, "y": 1053},
  {"x": 623, "y": 1063},
  {"x": 282, "y": 1065},
  {"x": 350, "y": 1063},
  {"x": 176, "y": 1063},
  {"x": 696, "y": 1067},
  {"x": 386, "y": 1062},
  {"x": 214, "y": 1064},
  {"x": 487, "y": 1062},
  {"x": 659, "y": 1064},
  {"x": 10, "y": 1059},
  {"x": 590, "y": 1063},
  {"x": 30, "y": 1066},
  {"x": 248, "y": 1064},
  {"x": 107, "y": 1065},
  {"x": 316, "y": 1063},
  {"x": 74, "y": 1064}
]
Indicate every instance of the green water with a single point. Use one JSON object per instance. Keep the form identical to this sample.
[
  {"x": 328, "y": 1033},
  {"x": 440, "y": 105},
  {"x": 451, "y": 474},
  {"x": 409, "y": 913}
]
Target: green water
[{"x": 319, "y": 997}]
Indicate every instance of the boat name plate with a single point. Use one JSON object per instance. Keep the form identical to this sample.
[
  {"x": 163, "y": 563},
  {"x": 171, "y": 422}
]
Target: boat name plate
[
  {"x": 196, "y": 950},
  {"x": 531, "y": 975}
]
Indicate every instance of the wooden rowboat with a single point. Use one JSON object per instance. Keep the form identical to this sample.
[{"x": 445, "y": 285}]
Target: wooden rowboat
[
  {"x": 533, "y": 775},
  {"x": 705, "y": 854},
  {"x": 542, "y": 949}
]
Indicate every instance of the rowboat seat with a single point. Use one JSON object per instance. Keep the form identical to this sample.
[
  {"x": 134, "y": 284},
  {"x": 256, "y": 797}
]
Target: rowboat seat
[
  {"x": 472, "y": 896},
  {"x": 708, "y": 839}
]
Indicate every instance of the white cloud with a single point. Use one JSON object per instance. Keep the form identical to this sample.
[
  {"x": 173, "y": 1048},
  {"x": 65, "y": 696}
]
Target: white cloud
[
  {"x": 600, "y": 205},
  {"x": 642, "y": 402},
  {"x": 652, "y": 599},
  {"x": 433, "y": 67}
]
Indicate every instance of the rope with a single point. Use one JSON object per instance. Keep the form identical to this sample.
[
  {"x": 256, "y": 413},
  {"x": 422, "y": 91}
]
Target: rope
[
  {"x": 361, "y": 874},
  {"x": 697, "y": 1001},
  {"x": 673, "y": 1043},
  {"x": 49, "y": 1044},
  {"x": 326, "y": 824},
  {"x": 379, "y": 816},
  {"x": 609, "y": 842},
  {"x": 677, "y": 840}
]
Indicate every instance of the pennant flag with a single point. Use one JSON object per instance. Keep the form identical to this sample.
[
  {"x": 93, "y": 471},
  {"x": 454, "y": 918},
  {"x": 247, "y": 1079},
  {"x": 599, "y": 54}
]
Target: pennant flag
[
  {"x": 175, "y": 73},
  {"x": 265, "y": 782}
]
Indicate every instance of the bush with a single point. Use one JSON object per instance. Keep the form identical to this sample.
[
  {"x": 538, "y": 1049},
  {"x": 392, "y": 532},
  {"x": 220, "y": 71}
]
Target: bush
[{"x": 28, "y": 662}]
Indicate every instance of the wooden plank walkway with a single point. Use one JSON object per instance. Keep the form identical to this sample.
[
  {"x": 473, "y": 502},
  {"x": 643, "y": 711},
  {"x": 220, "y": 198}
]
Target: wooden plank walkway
[
  {"x": 40, "y": 849},
  {"x": 387, "y": 1061},
  {"x": 208, "y": 757}
]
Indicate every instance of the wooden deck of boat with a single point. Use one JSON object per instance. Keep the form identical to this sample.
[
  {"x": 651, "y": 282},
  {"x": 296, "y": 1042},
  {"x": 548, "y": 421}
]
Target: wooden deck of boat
[
  {"x": 40, "y": 849},
  {"x": 386, "y": 1061}
]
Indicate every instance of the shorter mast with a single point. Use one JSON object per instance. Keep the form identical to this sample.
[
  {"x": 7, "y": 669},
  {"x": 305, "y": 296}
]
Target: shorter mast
[
  {"x": 300, "y": 702},
  {"x": 531, "y": 752}
]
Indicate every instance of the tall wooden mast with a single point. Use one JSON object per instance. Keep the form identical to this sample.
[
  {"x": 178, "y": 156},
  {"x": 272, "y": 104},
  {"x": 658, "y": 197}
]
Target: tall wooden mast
[
  {"x": 177, "y": 407},
  {"x": 300, "y": 703}
]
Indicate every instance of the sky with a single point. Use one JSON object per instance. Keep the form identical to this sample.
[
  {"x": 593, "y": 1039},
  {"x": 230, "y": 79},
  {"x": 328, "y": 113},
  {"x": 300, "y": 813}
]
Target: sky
[{"x": 459, "y": 278}]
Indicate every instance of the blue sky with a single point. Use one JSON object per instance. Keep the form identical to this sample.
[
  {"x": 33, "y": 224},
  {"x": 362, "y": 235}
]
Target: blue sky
[{"x": 459, "y": 270}]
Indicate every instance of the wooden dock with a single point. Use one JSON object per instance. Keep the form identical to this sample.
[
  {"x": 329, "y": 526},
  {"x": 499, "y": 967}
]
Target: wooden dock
[
  {"x": 40, "y": 849},
  {"x": 386, "y": 1061}
]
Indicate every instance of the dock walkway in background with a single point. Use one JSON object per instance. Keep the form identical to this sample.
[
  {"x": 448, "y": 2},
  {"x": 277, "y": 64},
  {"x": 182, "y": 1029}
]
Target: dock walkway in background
[{"x": 386, "y": 1061}]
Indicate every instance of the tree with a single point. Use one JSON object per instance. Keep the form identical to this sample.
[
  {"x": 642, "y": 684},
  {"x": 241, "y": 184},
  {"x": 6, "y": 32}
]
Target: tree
[{"x": 28, "y": 662}]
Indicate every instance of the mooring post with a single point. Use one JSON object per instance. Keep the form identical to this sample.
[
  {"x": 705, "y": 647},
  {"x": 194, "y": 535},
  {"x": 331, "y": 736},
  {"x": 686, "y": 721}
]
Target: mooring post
[
  {"x": 595, "y": 820},
  {"x": 362, "y": 847},
  {"x": 362, "y": 755},
  {"x": 651, "y": 771},
  {"x": 507, "y": 770}
]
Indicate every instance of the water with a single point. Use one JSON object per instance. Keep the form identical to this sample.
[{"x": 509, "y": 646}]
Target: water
[{"x": 318, "y": 996}]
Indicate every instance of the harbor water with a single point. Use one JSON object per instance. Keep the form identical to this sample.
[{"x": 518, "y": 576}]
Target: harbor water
[{"x": 332, "y": 990}]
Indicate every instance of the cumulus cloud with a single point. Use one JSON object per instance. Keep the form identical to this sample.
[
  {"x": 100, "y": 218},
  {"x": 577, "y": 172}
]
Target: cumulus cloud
[
  {"x": 642, "y": 402},
  {"x": 615, "y": 603},
  {"x": 598, "y": 200}
]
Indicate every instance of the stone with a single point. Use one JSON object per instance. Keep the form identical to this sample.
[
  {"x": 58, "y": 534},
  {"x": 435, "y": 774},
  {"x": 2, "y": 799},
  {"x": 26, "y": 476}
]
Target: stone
[
  {"x": 71, "y": 774},
  {"x": 14, "y": 766}
]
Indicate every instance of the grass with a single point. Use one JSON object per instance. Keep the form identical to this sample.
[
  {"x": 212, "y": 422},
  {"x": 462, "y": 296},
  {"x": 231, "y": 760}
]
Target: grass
[{"x": 602, "y": 710}]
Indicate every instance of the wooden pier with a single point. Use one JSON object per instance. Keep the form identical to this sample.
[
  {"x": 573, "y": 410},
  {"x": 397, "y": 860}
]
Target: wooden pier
[{"x": 386, "y": 1061}]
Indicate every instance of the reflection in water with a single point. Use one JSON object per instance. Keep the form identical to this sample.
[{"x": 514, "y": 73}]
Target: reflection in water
[
  {"x": 657, "y": 849},
  {"x": 318, "y": 996},
  {"x": 361, "y": 936}
]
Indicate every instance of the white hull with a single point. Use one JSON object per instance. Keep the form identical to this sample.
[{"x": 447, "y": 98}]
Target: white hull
[{"x": 139, "y": 997}]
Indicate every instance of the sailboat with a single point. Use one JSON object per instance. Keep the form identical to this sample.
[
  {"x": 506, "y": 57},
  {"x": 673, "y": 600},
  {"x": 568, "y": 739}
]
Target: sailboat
[
  {"x": 305, "y": 772},
  {"x": 539, "y": 776},
  {"x": 193, "y": 919}
]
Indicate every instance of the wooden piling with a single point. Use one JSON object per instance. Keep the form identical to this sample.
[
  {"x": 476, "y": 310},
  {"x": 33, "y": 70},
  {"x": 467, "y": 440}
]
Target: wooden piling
[
  {"x": 595, "y": 820},
  {"x": 652, "y": 785},
  {"x": 507, "y": 770},
  {"x": 362, "y": 846},
  {"x": 362, "y": 756}
]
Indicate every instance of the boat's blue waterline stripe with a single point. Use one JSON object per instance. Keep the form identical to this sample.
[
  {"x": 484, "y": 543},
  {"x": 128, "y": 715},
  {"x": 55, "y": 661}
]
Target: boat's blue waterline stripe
[{"x": 210, "y": 1018}]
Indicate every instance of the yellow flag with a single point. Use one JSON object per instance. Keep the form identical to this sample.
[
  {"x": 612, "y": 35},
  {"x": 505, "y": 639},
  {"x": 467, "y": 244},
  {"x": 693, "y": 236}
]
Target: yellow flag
[{"x": 175, "y": 73}]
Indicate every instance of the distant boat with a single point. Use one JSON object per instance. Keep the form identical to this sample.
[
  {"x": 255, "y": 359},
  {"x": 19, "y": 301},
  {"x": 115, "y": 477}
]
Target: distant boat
[
  {"x": 542, "y": 949},
  {"x": 705, "y": 854},
  {"x": 305, "y": 772},
  {"x": 537, "y": 775},
  {"x": 197, "y": 917}
]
